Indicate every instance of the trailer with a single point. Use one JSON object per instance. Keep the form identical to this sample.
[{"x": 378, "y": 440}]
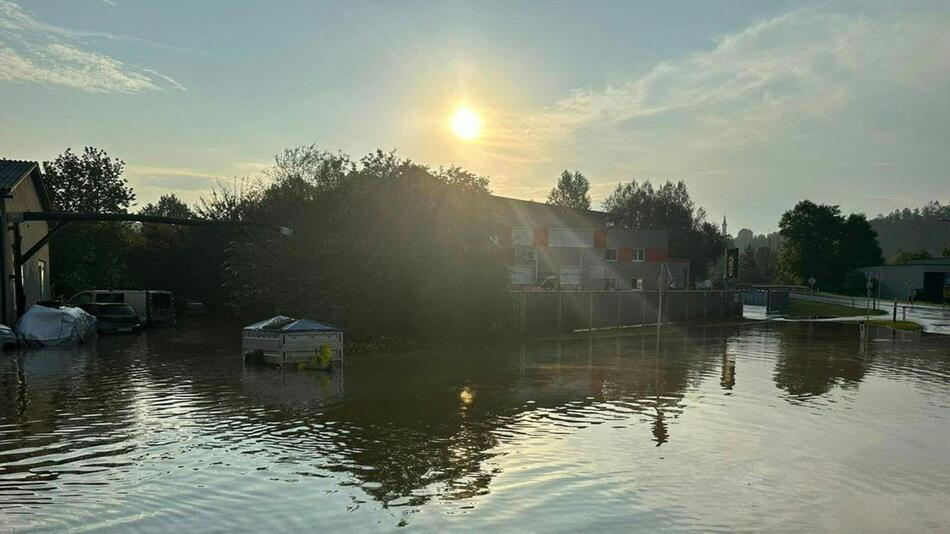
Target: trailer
[{"x": 284, "y": 340}]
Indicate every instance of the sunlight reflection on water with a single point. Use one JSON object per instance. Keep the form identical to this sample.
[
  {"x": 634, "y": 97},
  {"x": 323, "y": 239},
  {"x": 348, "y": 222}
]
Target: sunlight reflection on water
[{"x": 748, "y": 427}]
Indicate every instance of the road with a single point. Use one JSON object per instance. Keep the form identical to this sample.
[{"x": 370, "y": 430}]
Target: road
[{"x": 931, "y": 317}]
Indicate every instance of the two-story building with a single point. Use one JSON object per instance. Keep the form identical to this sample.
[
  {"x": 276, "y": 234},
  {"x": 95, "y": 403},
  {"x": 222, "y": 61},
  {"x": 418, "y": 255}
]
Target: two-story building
[
  {"x": 567, "y": 248},
  {"x": 633, "y": 259},
  {"x": 22, "y": 189}
]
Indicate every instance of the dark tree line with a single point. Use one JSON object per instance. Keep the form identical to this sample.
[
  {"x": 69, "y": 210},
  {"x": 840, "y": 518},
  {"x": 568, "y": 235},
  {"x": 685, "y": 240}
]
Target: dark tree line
[
  {"x": 915, "y": 231},
  {"x": 382, "y": 246}
]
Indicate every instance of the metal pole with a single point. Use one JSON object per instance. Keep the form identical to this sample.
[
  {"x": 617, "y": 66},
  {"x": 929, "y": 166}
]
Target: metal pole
[
  {"x": 4, "y": 286},
  {"x": 590, "y": 310},
  {"x": 523, "y": 310},
  {"x": 619, "y": 308},
  {"x": 18, "y": 271}
]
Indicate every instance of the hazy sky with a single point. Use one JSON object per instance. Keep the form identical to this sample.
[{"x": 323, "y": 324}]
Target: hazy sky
[{"x": 754, "y": 104}]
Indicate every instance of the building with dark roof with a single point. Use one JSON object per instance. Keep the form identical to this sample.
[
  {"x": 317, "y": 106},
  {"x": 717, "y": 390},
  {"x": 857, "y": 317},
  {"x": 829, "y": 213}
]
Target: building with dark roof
[{"x": 22, "y": 189}]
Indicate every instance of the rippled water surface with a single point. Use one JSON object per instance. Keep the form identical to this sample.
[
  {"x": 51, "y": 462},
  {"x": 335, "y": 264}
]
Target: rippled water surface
[{"x": 786, "y": 427}]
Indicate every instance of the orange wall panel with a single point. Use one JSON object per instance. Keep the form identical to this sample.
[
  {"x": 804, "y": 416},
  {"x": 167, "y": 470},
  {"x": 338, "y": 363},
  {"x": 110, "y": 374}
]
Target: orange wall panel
[
  {"x": 540, "y": 237},
  {"x": 656, "y": 255}
]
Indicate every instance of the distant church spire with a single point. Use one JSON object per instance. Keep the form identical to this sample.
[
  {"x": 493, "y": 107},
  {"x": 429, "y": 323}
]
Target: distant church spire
[{"x": 725, "y": 230}]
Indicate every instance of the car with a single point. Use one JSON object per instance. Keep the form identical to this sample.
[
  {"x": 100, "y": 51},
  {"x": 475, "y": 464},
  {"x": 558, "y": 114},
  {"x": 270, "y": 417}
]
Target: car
[
  {"x": 153, "y": 307},
  {"x": 113, "y": 318}
]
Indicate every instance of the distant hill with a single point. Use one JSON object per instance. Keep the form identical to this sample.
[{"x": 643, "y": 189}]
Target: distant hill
[{"x": 919, "y": 228}]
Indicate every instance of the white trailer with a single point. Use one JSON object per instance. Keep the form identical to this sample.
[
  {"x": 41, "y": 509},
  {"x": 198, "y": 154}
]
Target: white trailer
[{"x": 283, "y": 340}]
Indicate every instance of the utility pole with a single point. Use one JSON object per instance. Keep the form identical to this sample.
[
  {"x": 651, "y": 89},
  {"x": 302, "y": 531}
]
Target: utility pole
[{"x": 4, "y": 286}]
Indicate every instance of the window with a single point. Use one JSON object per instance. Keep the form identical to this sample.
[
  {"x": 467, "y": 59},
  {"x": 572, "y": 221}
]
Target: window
[
  {"x": 570, "y": 237},
  {"x": 639, "y": 254},
  {"x": 522, "y": 235},
  {"x": 610, "y": 254},
  {"x": 610, "y": 283},
  {"x": 522, "y": 274},
  {"x": 636, "y": 283}
]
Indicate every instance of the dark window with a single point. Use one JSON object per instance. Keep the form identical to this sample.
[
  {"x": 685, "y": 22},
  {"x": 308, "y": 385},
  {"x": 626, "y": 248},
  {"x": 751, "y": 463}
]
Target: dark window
[
  {"x": 116, "y": 309},
  {"x": 610, "y": 254},
  {"x": 110, "y": 297},
  {"x": 161, "y": 300}
]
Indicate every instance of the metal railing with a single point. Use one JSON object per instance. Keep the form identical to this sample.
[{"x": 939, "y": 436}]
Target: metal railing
[{"x": 567, "y": 311}]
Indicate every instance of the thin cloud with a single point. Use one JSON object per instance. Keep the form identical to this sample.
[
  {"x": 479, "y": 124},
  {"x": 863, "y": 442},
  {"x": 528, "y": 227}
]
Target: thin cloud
[
  {"x": 34, "y": 52},
  {"x": 776, "y": 80},
  {"x": 168, "y": 79}
]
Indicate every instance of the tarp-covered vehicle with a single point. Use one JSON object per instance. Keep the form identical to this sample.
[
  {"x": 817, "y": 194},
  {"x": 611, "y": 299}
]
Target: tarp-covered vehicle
[{"x": 59, "y": 326}]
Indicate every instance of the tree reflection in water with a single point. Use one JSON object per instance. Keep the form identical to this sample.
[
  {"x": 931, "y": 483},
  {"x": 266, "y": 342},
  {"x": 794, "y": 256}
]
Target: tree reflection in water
[{"x": 404, "y": 428}]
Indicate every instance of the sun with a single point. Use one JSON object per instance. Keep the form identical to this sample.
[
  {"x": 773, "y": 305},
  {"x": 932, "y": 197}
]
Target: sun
[{"x": 466, "y": 124}]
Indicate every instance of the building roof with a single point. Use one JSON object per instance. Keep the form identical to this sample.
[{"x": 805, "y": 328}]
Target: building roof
[
  {"x": 519, "y": 212},
  {"x": 940, "y": 264},
  {"x": 12, "y": 172},
  {"x": 930, "y": 261},
  {"x": 280, "y": 323}
]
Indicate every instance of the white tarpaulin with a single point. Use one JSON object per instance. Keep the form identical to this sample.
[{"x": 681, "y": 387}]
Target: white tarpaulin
[{"x": 55, "y": 326}]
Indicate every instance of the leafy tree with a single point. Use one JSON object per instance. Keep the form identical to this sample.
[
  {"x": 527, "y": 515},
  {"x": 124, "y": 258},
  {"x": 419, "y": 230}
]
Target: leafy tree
[
  {"x": 670, "y": 208},
  {"x": 91, "y": 183},
  {"x": 819, "y": 242},
  {"x": 168, "y": 206},
  {"x": 855, "y": 283},
  {"x": 89, "y": 255},
  {"x": 572, "y": 191},
  {"x": 390, "y": 248},
  {"x": 945, "y": 253},
  {"x": 319, "y": 169},
  {"x": 904, "y": 256},
  {"x": 812, "y": 234},
  {"x": 765, "y": 259},
  {"x": 748, "y": 266},
  {"x": 858, "y": 244}
]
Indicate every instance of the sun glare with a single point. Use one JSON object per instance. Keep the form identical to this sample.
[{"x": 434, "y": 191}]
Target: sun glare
[{"x": 466, "y": 124}]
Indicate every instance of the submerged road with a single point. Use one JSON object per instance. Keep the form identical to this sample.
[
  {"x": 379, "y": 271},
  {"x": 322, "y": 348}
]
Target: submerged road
[{"x": 931, "y": 317}]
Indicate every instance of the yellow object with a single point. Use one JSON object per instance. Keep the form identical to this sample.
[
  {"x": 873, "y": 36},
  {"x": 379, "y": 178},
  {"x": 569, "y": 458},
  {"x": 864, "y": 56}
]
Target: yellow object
[{"x": 321, "y": 358}]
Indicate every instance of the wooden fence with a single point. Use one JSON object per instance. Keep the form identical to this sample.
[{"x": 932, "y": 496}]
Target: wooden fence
[{"x": 566, "y": 311}]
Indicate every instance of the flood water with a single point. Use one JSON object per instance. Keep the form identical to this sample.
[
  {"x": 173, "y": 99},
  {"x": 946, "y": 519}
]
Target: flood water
[{"x": 769, "y": 426}]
